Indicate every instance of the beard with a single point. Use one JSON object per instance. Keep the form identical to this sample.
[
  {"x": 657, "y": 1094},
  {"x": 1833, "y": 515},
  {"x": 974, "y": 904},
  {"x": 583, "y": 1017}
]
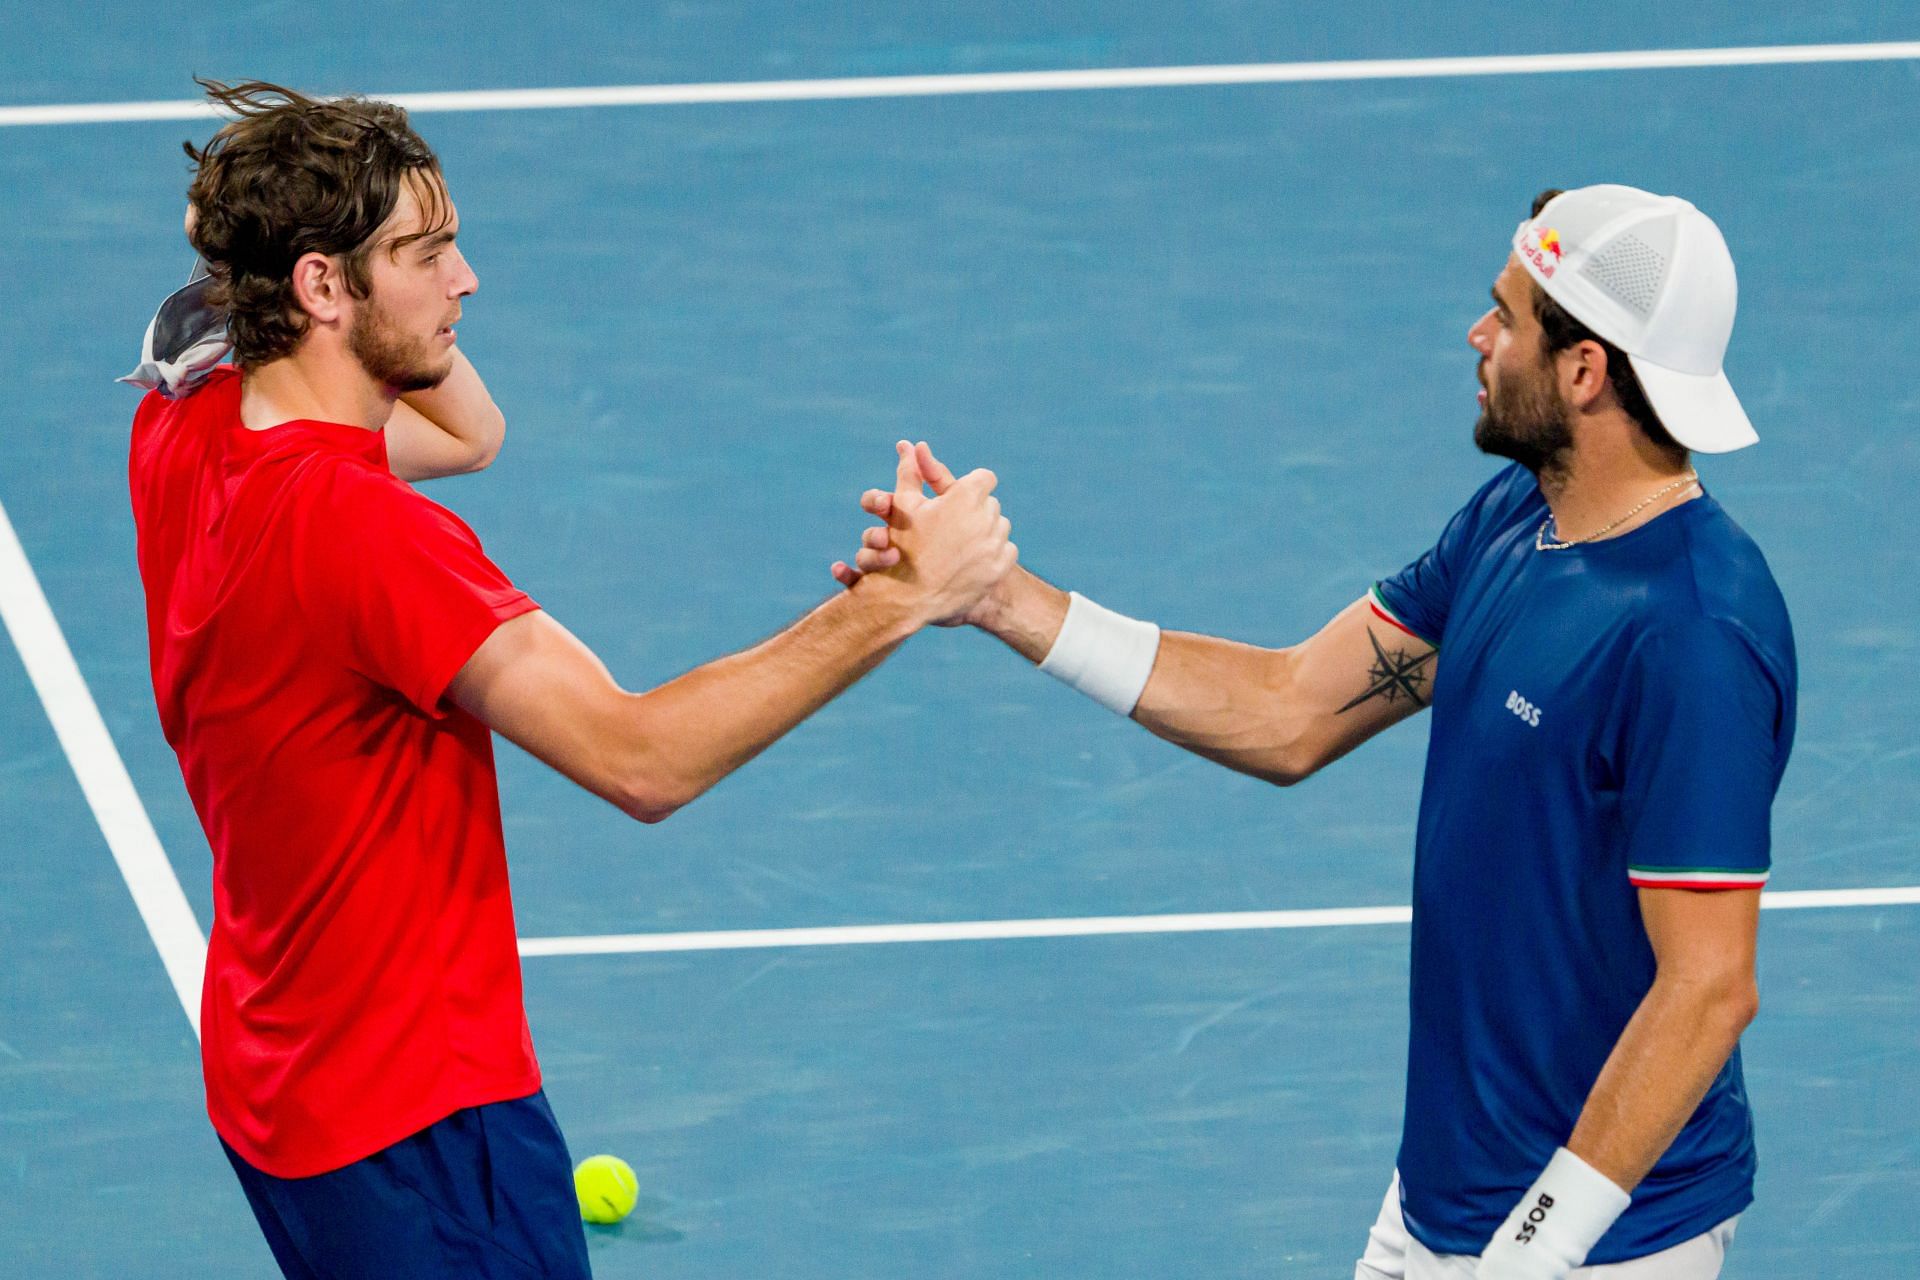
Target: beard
[
  {"x": 390, "y": 357},
  {"x": 1527, "y": 422}
]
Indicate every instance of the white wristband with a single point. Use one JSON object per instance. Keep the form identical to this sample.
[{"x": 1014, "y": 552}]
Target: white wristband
[
  {"x": 1105, "y": 655},
  {"x": 1556, "y": 1224}
]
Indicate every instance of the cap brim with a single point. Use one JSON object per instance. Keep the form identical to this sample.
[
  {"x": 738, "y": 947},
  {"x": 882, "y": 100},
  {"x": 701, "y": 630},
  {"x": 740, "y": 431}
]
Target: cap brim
[{"x": 1698, "y": 410}]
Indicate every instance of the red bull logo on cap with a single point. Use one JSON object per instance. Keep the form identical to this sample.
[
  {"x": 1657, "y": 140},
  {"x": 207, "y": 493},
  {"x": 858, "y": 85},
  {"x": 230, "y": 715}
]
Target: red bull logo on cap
[{"x": 1542, "y": 248}]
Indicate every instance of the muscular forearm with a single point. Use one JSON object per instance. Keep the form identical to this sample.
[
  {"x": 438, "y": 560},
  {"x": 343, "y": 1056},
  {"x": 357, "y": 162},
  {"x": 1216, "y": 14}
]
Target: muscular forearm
[
  {"x": 1204, "y": 694},
  {"x": 1277, "y": 714},
  {"x": 686, "y": 735},
  {"x": 1229, "y": 702},
  {"x": 537, "y": 685},
  {"x": 1673, "y": 1047}
]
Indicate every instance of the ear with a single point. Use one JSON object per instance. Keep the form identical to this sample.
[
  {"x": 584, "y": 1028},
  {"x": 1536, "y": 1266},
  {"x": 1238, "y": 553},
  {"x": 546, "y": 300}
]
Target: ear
[
  {"x": 320, "y": 288},
  {"x": 1583, "y": 374}
]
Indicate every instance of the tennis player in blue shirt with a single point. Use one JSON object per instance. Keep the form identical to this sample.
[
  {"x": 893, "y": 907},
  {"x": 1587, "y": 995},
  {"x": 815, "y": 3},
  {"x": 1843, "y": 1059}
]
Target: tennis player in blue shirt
[{"x": 1611, "y": 672}]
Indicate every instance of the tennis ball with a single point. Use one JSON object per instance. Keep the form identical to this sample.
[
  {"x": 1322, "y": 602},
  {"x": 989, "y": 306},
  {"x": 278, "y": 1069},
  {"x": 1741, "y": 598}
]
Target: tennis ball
[{"x": 606, "y": 1187}]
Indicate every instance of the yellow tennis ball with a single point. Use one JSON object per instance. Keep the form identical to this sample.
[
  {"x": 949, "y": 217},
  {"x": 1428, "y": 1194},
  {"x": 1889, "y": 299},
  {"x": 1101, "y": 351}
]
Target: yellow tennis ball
[{"x": 606, "y": 1187}]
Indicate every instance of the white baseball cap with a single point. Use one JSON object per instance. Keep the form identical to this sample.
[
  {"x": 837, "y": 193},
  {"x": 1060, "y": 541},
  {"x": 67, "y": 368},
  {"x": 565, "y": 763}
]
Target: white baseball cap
[{"x": 1652, "y": 275}]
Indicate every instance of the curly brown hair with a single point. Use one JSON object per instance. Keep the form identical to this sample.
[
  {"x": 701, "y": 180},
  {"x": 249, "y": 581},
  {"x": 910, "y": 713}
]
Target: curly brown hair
[{"x": 292, "y": 175}]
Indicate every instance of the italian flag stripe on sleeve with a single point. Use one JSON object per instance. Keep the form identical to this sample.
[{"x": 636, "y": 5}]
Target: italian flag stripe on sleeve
[
  {"x": 1696, "y": 877},
  {"x": 1385, "y": 615}
]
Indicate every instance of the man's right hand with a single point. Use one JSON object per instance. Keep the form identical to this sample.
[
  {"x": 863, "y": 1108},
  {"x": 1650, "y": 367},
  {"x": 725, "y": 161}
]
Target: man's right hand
[
  {"x": 946, "y": 553},
  {"x": 1278, "y": 714},
  {"x": 880, "y": 545}
]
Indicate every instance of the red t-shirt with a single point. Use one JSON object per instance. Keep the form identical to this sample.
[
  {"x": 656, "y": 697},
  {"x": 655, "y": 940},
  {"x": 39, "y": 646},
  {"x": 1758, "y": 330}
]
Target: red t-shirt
[{"x": 306, "y": 610}]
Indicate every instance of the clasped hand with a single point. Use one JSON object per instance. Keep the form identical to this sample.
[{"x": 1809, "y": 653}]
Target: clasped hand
[{"x": 950, "y": 551}]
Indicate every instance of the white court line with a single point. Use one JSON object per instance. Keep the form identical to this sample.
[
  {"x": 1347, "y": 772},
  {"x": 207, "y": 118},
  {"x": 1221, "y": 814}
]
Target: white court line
[
  {"x": 1091, "y": 926},
  {"x": 103, "y": 777},
  {"x": 655, "y": 95},
  {"x": 1796, "y": 899}
]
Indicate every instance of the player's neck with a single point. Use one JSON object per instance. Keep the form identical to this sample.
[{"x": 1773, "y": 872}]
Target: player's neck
[
  {"x": 1605, "y": 477},
  {"x": 317, "y": 383}
]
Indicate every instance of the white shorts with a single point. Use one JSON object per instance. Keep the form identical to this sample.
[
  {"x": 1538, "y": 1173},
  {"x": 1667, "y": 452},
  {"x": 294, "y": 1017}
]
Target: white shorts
[{"x": 1392, "y": 1254}]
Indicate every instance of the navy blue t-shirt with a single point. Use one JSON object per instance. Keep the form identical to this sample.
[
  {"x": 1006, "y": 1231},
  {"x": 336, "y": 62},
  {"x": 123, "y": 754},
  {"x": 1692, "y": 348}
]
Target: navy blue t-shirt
[{"x": 1612, "y": 715}]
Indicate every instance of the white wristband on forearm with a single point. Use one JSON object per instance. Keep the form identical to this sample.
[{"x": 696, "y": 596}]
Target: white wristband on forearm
[
  {"x": 1105, "y": 655},
  {"x": 1556, "y": 1224}
]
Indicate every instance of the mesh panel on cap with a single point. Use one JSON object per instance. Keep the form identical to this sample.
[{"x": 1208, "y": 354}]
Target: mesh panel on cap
[{"x": 1631, "y": 270}]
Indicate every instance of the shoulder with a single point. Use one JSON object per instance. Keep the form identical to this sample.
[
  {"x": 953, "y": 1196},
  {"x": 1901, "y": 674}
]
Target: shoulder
[
  {"x": 1683, "y": 638},
  {"x": 1725, "y": 659},
  {"x": 219, "y": 389},
  {"x": 361, "y": 523},
  {"x": 1512, "y": 485},
  {"x": 1511, "y": 495},
  {"x": 365, "y": 502},
  {"x": 1725, "y": 587},
  {"x": 345, "y": 520},
  {"x": 210, "y": 401},
  {"x": 153, "y": 407},
  {"x": 174, "y": 443},
  {"x": 1709, "y": 653},
  {"x": 357, "y": 532}
]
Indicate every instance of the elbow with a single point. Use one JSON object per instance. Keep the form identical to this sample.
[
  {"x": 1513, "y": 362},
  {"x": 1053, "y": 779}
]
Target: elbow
[
  {"x": 654, "y": 794},
  {"x": 483, "y": 440},
  {"x": 488, "y": 447},
  {"x": 1294, "y": 751},
  {"x": 1743, "y": 1004},
  {"x": 1728, "y": 1002},
  {"x": 1736, "y": 999},
  {"x": 633, "y": 770},
  {"x": 1290, "y": 765},
  {"x": 648, "y": 805}
]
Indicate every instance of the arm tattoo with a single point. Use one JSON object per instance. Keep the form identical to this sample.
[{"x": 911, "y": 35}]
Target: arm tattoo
[{"x": 1396, "y": 675}]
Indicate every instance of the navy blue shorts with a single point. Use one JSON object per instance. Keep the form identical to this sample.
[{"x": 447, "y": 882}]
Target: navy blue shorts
[{"x": 486, "y": 1193}]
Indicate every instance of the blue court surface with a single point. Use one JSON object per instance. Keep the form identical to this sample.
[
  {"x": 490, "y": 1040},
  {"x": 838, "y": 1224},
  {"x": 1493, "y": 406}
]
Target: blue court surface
[{"x": 1213, "y": 341}]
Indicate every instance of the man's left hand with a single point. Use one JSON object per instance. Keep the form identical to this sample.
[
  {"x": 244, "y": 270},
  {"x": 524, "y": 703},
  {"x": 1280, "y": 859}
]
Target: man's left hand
[{"x": 1556, "y": 1224}]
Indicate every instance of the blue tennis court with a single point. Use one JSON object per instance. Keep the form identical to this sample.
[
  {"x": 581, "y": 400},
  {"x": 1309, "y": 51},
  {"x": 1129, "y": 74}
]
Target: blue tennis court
[{"x": 1212, "y": 338}]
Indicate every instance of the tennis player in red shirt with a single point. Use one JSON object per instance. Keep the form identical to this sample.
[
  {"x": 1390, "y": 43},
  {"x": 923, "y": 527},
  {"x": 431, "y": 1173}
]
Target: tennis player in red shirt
[{"x": 330, "y": 650}]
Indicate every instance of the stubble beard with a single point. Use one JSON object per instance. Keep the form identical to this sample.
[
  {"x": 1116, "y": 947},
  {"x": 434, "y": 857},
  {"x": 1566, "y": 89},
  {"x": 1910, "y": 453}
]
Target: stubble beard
[{"x": 389, "y": 357}]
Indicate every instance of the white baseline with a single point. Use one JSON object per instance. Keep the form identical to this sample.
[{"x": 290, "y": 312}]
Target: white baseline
[
  {"x": 1093, "y": 926},
  {"x": 922, "y": 86}
]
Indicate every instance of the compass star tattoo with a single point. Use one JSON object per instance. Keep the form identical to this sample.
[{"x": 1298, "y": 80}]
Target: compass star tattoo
[{"x": 1396, "y": 675}]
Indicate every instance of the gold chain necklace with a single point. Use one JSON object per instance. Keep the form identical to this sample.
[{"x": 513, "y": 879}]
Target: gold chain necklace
[{"x": 1540, "y": 542}]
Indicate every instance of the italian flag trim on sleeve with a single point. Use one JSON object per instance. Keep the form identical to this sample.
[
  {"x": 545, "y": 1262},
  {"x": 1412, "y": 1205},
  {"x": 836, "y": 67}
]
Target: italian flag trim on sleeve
[
  {"x": 1696, "y": 877},
  {"x": 1380, "y": 610}
]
